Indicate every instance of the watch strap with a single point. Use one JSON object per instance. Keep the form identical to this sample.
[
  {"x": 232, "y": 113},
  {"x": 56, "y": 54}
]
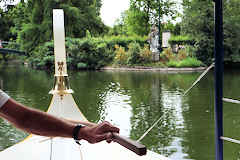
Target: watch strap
[{"x": 76, "y": 130}]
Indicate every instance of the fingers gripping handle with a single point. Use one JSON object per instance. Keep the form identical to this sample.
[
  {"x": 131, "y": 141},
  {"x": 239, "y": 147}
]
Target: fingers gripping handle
[{"x": 134, "y": 146}]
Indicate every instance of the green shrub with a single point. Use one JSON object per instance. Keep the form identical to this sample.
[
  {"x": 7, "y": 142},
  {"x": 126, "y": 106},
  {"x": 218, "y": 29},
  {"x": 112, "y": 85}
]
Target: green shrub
[
  {"x": 82, "y": 65},
  {"x": 146, "y": 54},
  {"x": 173, "y": 63},
  {"x": 181, "y": 40},
  {"x": 182, "y": 54},
  {"x": 134, "y": 53},
  {"x": 124, "y": 41},
  {"x": 167, "y": 55},
  {"x": 204, "y": 50},
  {"x": 191, "y": 50},
  {"x": 188, "y": 62},
  {"x": 49, "y": 60},
  {"x": 93, "y": 52},
  {"x": 121, "y": 55}
]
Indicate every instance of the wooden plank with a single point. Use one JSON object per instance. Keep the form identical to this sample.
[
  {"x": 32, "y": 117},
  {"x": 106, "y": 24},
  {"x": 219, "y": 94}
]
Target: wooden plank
[{"x": 134, "y": 146}]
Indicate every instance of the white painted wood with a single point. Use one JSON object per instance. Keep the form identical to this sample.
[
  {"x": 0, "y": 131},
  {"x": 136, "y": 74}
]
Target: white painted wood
[{"x": 59, "y": 41}]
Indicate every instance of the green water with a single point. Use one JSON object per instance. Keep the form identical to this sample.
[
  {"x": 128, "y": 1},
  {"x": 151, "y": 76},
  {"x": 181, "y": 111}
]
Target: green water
[{"x": 134, "y": 101}]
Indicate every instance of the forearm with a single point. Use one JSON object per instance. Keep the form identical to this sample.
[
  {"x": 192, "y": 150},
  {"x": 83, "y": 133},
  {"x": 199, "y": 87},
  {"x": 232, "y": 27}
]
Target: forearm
[
  {"x": 36, "y": 122},
  {"x": 41, "y": 123},
  {"x": 86, "y": 123}
]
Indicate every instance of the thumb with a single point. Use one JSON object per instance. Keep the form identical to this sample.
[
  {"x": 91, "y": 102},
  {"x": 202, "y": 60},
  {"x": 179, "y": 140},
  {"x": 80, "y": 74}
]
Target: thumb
[{"x": 109, "y": 137}]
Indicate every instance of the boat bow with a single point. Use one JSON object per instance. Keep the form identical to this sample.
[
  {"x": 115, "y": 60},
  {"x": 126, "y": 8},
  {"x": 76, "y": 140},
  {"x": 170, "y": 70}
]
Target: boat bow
[{"x": 63, "y": 105}]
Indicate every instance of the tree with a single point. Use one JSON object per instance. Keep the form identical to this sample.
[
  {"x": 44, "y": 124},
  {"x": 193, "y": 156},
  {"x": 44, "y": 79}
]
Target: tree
[
  {"x": 79, "y": 16},
  {"x": 18, "y": 16},
  {"x": 151, "y": 9},
  {"x": 136, "y": 22},
  {"x": 5, "y": 23},
  {"x": 231, "y": 30},
  {"x": 98, "y": 5},
  {"x": 144, "y": 13},
  {"x": 198, "y": 21}
]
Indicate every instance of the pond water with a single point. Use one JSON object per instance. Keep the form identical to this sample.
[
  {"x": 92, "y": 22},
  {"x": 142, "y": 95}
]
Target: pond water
[{"x": 134, "y": 101}]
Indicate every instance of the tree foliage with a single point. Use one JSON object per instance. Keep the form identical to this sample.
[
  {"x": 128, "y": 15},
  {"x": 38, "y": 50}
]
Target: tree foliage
[
  {"x": 136, "y": 22},
  {"x": 155, "y": 9},
  {"x": 5, "y": 24},
  {"x": 231, "y": 30},
  {"x": 91, "y": 52},
  {"x": 18, "y": 16},
  {"x": 142, "y": 14},
  {"x": 198, "y": 21},
  {"x": 32, "y": 20}
]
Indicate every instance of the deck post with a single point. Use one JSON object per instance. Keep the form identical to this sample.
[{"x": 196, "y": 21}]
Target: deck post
[{"x": 218, "y": 79}]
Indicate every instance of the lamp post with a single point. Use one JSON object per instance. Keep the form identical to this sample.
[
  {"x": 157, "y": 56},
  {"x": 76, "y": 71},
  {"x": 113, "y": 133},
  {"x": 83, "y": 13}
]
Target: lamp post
[{"x": 159, "y": 26}]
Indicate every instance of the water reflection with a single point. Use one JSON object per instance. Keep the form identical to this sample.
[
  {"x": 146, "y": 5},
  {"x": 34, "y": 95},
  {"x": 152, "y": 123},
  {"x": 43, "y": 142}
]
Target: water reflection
[
  {"x": 199, "y": 130},
  {"x": 9, "y": 135},
  {"x": 134, "y": 101},
  {"x": 131, "y": 100},
  {"x": 118, "y": 109},
  {"x": 173, "y": 100},
  {"x": 150, "y": 99},
  {"x": 21, "y": 84}
]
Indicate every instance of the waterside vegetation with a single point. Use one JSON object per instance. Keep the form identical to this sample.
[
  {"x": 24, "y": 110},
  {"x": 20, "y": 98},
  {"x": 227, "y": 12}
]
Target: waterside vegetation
[{"x": 90, "y": 44}]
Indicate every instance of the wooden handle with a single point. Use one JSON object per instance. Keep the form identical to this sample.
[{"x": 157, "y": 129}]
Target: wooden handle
[{"x": 134, "y": 146}]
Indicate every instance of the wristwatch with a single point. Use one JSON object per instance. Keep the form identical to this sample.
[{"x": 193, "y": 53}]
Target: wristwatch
[{"x": 76, "y": 130}]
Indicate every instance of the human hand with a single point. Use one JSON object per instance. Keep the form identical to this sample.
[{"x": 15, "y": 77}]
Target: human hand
[{"x": 98, "y": 133}]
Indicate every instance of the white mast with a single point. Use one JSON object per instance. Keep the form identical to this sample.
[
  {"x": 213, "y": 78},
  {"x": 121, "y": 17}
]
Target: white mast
[
  {"x": 61, "y": 85},
  {"x": 59, "y": 43}
]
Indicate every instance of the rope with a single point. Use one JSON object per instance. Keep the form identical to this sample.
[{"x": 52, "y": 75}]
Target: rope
[
  {"x": 51, "y": 149},
  {"x": 231, "y": 100},
  {"x": 149, "y": 129},
  {"x": 199, "y": 78},
  {"x": 230, "y": 140},
  {"x": 80, "y": 151}
]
